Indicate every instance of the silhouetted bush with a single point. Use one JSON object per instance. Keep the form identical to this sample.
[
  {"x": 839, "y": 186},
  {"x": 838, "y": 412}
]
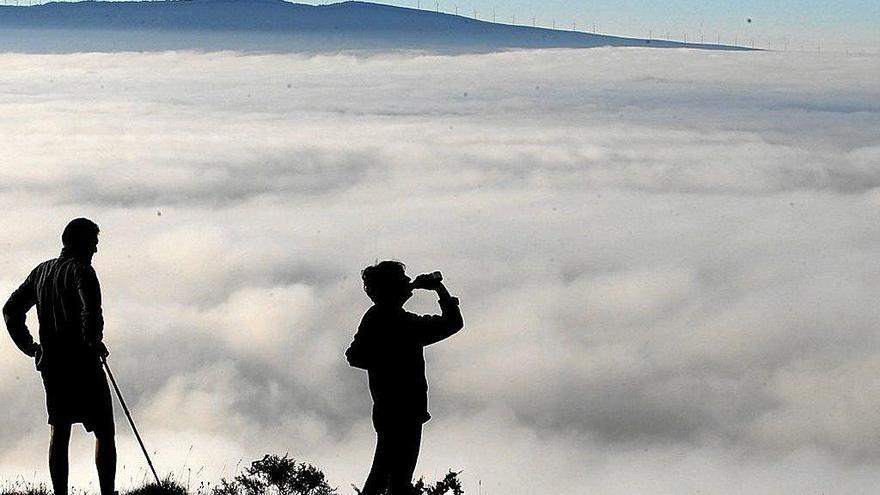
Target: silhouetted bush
[
  {"x": 449, "y": 483},
  {"x": 273, "y": 475}
]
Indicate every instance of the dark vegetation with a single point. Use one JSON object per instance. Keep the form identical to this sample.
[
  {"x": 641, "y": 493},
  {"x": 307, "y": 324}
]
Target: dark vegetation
[
  {"x": 271, "y": 475},
  {"x": 20, "y": 487}
]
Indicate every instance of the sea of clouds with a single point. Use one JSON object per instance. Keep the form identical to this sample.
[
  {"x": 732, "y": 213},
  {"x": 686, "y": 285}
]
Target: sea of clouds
[{"x": 667, "y": 259}]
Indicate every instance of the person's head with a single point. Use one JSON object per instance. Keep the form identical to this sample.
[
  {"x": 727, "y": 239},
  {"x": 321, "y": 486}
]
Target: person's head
[
  {"x": 81, "y": 236},
  {"x": 386, "y": 283}
]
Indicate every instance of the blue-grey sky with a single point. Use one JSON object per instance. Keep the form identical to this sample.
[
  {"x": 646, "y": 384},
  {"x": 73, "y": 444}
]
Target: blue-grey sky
[{"x": 797, "y": 22}]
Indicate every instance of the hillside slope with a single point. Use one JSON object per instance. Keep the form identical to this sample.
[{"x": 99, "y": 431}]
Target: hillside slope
[{"x": 274, "y": 25}]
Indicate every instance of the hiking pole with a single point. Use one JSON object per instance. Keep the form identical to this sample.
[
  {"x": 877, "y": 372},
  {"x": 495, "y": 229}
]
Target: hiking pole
[{"x": 130, "y": 420}]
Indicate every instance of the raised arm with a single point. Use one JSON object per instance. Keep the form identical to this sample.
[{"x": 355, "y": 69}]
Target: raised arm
[
  {"x": 15, "y": 313},
  {"x": 434, "y": 328}
]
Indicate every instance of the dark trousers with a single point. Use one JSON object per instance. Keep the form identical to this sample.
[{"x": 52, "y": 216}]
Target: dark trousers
[{"x": 397, "y": 450}]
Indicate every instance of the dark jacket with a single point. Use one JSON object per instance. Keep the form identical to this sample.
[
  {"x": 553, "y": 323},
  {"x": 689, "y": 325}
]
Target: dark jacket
[
  {"x": 389, "y": 345},
  {"x": 68, "y": 299}
]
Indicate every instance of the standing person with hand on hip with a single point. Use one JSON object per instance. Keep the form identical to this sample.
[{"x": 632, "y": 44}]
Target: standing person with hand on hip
[
  {"x": 68, "y": 299},
  {"x": 389, "y": 344}
]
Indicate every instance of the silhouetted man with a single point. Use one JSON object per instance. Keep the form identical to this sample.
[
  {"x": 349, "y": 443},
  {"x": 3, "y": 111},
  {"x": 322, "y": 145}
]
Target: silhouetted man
[
  {"x": 389, "y": 345},
  {"x": 68, "y": 299}
]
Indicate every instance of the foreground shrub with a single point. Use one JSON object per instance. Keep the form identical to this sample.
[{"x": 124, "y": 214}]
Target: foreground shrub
[
  {"x": 449, "y": 483},
  {"x": 273, "y": 475}
]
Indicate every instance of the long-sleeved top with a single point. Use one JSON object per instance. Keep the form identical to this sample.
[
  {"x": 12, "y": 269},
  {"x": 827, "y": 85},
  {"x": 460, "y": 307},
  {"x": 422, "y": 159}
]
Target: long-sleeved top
[
  {"x": 389, "y": 344},
  {"x": 68, "y": 299}
]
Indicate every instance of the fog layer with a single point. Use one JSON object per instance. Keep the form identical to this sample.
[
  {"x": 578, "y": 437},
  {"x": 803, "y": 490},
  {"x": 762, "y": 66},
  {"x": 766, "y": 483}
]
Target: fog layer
[{"x": 667, "y": 260}]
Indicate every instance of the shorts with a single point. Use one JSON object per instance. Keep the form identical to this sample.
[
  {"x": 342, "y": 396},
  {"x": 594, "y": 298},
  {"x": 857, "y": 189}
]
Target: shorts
[{"x": 81, "y": 396}]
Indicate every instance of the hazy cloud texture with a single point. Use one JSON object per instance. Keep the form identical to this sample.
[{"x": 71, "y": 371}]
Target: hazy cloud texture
[{"x": 667, "y": 260}]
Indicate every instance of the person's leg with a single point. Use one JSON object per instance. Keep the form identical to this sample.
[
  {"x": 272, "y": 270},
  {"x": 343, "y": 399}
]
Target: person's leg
[
  {"x": 105, "y": 459},
  {"x": 404, "y": 458},
  {"x": 377, "y": 480},
  {"x": 59, "y": 441}
]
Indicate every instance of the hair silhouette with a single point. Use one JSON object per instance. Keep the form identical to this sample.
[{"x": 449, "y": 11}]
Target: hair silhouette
[
  {"x": 381, "y": 277},
  {"x": 80, "y": 233}
]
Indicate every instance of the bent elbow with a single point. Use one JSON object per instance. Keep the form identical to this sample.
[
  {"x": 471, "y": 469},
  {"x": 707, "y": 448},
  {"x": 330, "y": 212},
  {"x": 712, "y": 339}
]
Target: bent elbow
[
  {"x": 9, "y": 311},
  {"x": 458, "y": 321},
  {"x": 358, "y": 363},
  {"x": 355, "y": 359},
  {"x": 459, "y": 324},
  {"x": 455, "y": 325}
]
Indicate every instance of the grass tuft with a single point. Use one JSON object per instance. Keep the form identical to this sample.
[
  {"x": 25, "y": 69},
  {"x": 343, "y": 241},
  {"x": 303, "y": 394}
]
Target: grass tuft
[
  {"x": 22, "y": 487},
  {"x": 167, "y": 487}
]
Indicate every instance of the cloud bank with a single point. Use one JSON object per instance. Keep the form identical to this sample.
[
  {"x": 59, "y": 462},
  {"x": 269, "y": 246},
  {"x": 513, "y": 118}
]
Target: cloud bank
[{"x": 666, "y": 259}]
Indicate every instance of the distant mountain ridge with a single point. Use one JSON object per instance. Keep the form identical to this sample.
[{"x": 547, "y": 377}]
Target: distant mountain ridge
[{"x": 274, "y": 24}]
